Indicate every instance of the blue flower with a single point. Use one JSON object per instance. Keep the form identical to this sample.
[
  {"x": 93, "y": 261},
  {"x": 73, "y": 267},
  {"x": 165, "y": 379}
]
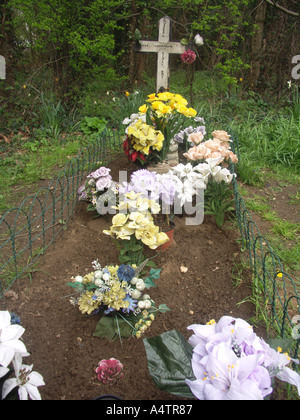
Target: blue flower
[
  {"x": 108, "y": 311},
  {"x": 126, "y": 272},
  {"x": 14, "y": 319},
  {"x": 132, "y": 304}
]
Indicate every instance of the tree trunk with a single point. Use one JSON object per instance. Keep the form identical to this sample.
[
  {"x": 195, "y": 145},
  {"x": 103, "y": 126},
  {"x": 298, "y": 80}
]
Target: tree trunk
[{"x": 257, "y": 44}]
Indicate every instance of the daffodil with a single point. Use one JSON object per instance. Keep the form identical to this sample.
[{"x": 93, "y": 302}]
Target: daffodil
[{"x": 143, "y": 109}]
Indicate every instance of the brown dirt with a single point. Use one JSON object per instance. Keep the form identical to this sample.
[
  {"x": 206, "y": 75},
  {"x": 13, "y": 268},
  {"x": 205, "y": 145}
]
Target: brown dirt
[{"x": 59, "y": 339}]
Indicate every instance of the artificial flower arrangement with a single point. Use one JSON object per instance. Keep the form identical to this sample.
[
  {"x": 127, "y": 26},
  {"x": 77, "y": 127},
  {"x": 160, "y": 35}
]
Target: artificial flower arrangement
[
  {"x": 133, "y": 227},
  {"x": 217, "y": 147},
  {"x": 119, "y": 295},
  {"x": 150, "y": 132},
  {"x": 220, "y": 361},
  {"x": 97, "y": 183},
  {"x": 12, "y": 350},
  {"x": 217, "y": 151}
]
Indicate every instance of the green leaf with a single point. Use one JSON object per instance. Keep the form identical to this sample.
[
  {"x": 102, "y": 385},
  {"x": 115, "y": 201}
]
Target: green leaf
[
  {"x": 77, "y": 286},
  {"x": 153, "y": 275},
  {"x": 163, "y": 308},
  {"x": 169, "y": 362},
  {"x": 112, "y": 328},
  {"x": 137, "y": 35}
]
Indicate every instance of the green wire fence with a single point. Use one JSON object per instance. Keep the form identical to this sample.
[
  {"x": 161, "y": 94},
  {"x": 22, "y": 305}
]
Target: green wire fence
[{"x": 26, "y": 232}]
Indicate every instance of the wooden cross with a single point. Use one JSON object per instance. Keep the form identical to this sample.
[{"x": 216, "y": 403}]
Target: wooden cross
[
  {"x": 2, "y": 67},
  {"x": 163, "y": 47}
]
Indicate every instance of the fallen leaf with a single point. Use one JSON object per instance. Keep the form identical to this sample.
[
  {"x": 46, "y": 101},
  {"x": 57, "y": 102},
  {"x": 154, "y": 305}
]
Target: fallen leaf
[{"x": 183, "y": 269}]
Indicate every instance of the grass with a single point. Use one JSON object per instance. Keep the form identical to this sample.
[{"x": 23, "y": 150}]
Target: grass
[{"x": 26, "y": 164}]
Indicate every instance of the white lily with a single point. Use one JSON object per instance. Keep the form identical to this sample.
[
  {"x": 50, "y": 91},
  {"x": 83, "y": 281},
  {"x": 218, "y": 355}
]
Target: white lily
[
  {"x": 25, "y": 379},
  {"x": 223, "y": 174},
  {"x": 9, "y": 339}
]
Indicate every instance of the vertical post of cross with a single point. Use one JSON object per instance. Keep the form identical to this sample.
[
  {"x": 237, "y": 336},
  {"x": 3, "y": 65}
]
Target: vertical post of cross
[{"x": 163, "y": 48}]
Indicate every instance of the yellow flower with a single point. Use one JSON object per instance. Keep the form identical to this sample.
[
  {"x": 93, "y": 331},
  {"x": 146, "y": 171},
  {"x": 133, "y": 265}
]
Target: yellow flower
[
  {"x": 119, "y": 219},
  {"x": 87, "y": 304},
  {"x": 152, "y": 97},
  {"x": 147, "y": 234},
  {"x": 165, "y": 96},
  {"x": 127, "y": 94},
  {"x": 88, "y": 278},
  {"x": 113, "y": 269},
  {"x": 161, "y": 238},
  {"x": 191, "y": 113},
  {"x": 143, "y": 109},
  {"x": 156, "y": 104},
  {"x": 125, "y": 233}
]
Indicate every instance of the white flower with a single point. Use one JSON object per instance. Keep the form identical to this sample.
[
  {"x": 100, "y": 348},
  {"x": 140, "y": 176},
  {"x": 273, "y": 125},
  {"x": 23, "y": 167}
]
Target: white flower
[
  {"x": 140, "y": 285},
  {"x": 9, "y": 339},
  {"x": 106, "y": 277},
  {"x": 220, "y": 175},
  {"x": 187, "y": 192},
  {"x": 98, "y": 274},
  {"x": 289, "y": 84},
  {"x": 214, "y": 161},
  {"x": 78, "y": 279},
  {"x": 198, "y": 40},
  {"x": 141, "y": 304},
  {"x": 135, "y": 294},
  {"x": 26, "y": 380}
]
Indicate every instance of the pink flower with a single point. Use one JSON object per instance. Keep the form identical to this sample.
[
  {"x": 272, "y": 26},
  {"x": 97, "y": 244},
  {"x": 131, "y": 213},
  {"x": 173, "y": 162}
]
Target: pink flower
[
  {"x": 110, "y": 370},
  {"x": 196, "y": 138},
  {"x": 99, "y": 173},
  {"x": 188, "y": 57},
  {"x": 104, "y": 182},
  {"x": 197, "y": 153}
]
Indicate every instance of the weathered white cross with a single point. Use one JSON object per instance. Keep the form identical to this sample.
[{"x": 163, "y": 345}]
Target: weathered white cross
[{"x": 163, "y": 47}]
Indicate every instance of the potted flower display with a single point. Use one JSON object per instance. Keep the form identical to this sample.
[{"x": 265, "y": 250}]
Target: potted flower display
[
  {"x": 120, "y": 296},
  {"x": 151, "y": 131}
]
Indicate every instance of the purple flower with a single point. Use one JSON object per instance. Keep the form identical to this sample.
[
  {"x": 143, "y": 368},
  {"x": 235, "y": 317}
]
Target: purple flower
[
  {"x": 143, "y": 181},
  {"x": 103, "y": 183},
  {"x": 231, "y": 362},
  {"x": 101, "y": 172},
  {"x": 222, "y": 375}
]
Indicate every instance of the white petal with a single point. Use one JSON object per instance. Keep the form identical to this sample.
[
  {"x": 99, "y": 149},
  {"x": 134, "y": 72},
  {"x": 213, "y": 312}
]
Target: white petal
[
  {"x": 33, "y": 392},
  {"x": 4, "y": 319},
  {"x": 8, "y": 386},
  {"x": 23, "y": 395},
  {"x": 36, "y": 379},
  {"x": 13, "y": 332},
  {"x": 6, "y": 355}
]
